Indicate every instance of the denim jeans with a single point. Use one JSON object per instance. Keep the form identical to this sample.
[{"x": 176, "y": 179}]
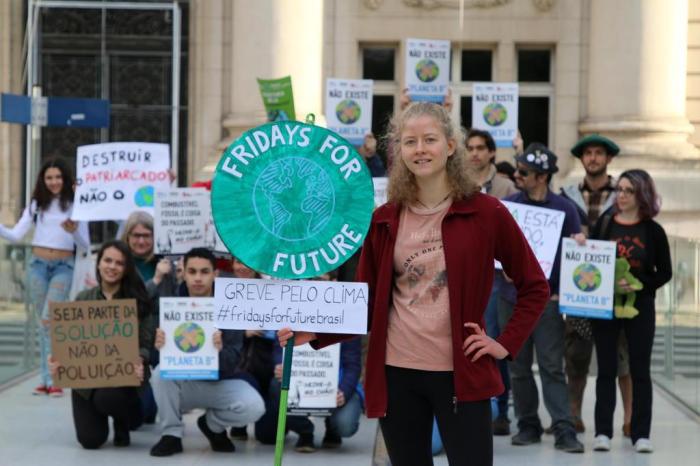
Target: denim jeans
[
  {"x": 493, "y": 329},
  {"x": 547, "y": 341},
  {"x": 49, "y": 281},
  {"x": 344, "y": 421}
]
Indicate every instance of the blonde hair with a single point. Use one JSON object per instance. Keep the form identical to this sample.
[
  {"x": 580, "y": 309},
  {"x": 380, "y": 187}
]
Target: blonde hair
[
  {"x": 136, "y": 218},
  {"x": 402, "y": 186}
]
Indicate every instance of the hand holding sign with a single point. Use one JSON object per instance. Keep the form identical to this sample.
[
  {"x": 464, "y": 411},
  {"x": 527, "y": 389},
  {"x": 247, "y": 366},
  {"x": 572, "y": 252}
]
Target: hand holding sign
[{"x": 300, "y": 338}]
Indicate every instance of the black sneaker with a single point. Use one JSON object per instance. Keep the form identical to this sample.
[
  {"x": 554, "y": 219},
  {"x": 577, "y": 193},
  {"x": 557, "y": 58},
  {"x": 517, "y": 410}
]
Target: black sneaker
[
  {"x": 331, "y": 440},
  {"x": 168, "y": 445},
  {"x": 569, "y": 443},
  {"x": 526, "y": 436},
  {"x": 305, "y": 444},
  {"x": 219, "y": 442},
  {"x": 501, "y": 426},
  {"x": 239, "y": 433},
  {"x": 121, "y": 434}
]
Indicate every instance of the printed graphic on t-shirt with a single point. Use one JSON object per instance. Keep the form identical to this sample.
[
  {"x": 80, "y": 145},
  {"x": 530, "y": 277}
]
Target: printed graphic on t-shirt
[
  {"x": 632, "y": 248},
  {"x": 424, "y": 272}
]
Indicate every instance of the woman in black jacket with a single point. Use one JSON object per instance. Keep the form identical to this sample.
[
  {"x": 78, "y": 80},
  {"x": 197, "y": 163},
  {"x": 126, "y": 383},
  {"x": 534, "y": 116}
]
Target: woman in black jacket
[
  {"x": 117, "y": 279},
  {"x": 644, "y": 244}
]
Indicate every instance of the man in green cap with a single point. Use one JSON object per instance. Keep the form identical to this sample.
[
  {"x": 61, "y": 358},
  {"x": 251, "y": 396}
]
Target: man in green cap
[{"x": 593, "y": 196}]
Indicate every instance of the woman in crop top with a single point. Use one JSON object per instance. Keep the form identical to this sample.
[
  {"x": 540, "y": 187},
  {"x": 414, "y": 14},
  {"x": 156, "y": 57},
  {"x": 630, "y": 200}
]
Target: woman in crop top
[{"x": 53, "y": 250}]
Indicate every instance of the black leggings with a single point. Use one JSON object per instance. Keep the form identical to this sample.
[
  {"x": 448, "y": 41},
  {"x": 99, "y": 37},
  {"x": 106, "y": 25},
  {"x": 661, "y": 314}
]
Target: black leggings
[
  {"x": 91, "y": 415},
  {"x": 640, "y": 340},
  {"x": 414, "y": 397}
]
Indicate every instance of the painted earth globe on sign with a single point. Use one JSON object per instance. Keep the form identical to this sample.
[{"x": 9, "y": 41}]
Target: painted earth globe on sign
[
  {"x": 189, "y": 337},
  {"x": 294, "y": 198},
  {"x": 587, "y": 277},
  {"x": 144, "y": 197},
  {"x": 495, "y": 114},
  {"x": 427, "y": 70},
  {"x": 348, "y": 112}
]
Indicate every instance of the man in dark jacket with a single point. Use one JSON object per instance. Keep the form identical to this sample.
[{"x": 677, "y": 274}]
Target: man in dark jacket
[
  {"x": 535, "y": 168},
  {"x": 344, "y": 420},
  {"x": 227, "y": 401}
]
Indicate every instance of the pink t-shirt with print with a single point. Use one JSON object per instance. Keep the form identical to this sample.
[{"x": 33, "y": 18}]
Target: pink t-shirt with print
[{"x": 420, "y": 334}]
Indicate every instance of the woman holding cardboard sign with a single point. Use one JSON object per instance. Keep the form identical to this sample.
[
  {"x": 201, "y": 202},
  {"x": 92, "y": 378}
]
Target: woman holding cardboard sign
[
  {"x": 92, "y": 408},
  {"x": 428, "y": 259},
  {"x": 53, "y": 250}
]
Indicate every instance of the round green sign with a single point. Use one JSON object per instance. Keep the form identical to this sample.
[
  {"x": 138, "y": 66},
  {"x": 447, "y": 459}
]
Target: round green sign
[{"x": 292, "y": 200}]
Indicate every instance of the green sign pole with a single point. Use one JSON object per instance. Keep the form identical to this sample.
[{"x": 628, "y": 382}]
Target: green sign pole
[{"x": 282, "y": 417}]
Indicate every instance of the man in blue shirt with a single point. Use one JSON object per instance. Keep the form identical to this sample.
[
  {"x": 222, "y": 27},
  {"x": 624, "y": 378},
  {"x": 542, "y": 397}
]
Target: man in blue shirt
[{"x": 535, "y": 167}]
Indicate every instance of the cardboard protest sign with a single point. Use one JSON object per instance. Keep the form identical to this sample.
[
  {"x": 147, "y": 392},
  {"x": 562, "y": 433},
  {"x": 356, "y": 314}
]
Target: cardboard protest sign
[
  {"x": 587, "y": 279},
  {"x": 542, "y": 229},
  {"x": 278, "y": 98},
  {"x": 312, "y": 306},
  {"x": 380, "y": 193},
  {"x": 116, "y": 178},
  {"x": 427, "y": 69},
  {"x": 495, "y": 109},
  {"x": 292, "y": 200},
  {"x": 349, "y": 108},
  {"x": 313, "y": 387},
  {"x": 189, "y": 352},
  {"x": 95, "y": 342},
  {"x": 182, "y": 220}
]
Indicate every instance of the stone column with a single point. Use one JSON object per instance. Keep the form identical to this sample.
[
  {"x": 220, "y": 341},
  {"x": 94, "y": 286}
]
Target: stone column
[
  {"x": 637, "y": 74},
  {"x": 11, "y": 149}
]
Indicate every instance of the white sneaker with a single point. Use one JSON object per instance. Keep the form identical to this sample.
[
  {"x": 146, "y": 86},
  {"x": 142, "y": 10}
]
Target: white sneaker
[
  {"x": 643, "y": 445},
  {"x": 601, "y": 443}
]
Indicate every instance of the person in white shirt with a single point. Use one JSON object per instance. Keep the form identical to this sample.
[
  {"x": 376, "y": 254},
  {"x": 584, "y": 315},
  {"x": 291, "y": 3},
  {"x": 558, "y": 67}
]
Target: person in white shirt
[{"x": 53, "y": 250}]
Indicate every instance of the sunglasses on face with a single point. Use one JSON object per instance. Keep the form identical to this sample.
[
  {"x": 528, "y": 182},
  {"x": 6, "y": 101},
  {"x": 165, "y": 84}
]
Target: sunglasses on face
[
  {"x": 138, "y": 236},
  {"x": 628, "y": 191},
  {"x": 523, "y": 172}
]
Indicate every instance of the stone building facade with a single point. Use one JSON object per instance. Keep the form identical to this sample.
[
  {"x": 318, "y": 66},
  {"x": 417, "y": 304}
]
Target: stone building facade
[{"x": 624, "y": 68}]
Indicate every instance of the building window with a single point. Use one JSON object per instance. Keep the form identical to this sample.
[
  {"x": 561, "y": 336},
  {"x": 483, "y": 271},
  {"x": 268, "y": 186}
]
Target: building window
[
  {"x": 534, "y": 65},
  {"x": 465, "y": 111},
  {"x": 477, "y": 65},
  {"x": 379, "y": 63},
  {"x": 533, "y": 119}
]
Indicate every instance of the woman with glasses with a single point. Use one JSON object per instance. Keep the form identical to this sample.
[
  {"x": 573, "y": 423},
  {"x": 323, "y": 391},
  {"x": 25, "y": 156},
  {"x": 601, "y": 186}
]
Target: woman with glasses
[
  {"x": 644, "y": 244},
  {"x": 53, "y": 250}
]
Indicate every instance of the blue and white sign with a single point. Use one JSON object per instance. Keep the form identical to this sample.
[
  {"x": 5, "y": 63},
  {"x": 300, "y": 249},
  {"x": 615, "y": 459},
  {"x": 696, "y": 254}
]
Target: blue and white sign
[
  {"x": 349, "y": 108},
  {"x": 587, "y": 278},
  {"x": 189, "y": 352},
  {"x": 427, "y": 69},
  {"x": 495, "y": 109}
]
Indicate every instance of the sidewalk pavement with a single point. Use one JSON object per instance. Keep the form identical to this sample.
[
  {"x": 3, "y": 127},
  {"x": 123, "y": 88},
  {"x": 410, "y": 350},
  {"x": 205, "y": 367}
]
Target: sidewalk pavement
[{"x": 39, "y": 430}]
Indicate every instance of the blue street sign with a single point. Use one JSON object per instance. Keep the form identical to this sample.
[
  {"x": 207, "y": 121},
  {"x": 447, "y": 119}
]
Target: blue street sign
[
  {"x": 16, "y": 108},
  {"x": 78, "y": 113},
  {"x": 55, "y": 111}
]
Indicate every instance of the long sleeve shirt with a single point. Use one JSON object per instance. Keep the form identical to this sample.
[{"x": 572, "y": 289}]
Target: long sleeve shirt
[{"x": 48, "y": 232}]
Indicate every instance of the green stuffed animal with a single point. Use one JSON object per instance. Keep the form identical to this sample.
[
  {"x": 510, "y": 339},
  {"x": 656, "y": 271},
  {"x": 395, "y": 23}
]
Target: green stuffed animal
[{"x": 624, "y": 301}]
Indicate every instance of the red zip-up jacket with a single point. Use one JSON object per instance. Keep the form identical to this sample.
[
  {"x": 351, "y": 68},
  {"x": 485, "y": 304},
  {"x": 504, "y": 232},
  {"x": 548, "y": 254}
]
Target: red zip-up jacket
[{"x": 474, "y": 232}]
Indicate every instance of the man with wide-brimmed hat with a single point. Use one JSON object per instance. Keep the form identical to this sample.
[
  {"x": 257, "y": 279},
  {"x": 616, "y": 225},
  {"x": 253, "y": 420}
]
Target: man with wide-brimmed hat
[
  {"x": 592, "y": 196},
  {"x": 535, "y": 168}
]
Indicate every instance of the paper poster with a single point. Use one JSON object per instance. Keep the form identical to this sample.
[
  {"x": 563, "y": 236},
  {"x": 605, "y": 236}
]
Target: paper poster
[
  {"x": 427, "y": 69},
  {"x": 349, "y": 108},
  {"x": 313, "y": 385},
  {"x": 189, "y": 352},
  {"x": 495, "y": 109},
  {"x": 542, "y": 229},
  {"x": 278, "y": 98},
  {"x": 117, "y": 178},
  {"x": 587, "y": 280},
  {"x": 312, "y": 306},
  {"x": 95, "y": 342},
  {"x": 182, "y": 220},
  {"x": 380, "y": 190}
]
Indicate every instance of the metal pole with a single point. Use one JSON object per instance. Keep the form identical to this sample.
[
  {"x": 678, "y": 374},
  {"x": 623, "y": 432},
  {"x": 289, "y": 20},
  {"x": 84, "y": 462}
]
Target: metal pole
[
  {"x": 31, "y": 39},
  {"x": 175, "y": 109}
]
